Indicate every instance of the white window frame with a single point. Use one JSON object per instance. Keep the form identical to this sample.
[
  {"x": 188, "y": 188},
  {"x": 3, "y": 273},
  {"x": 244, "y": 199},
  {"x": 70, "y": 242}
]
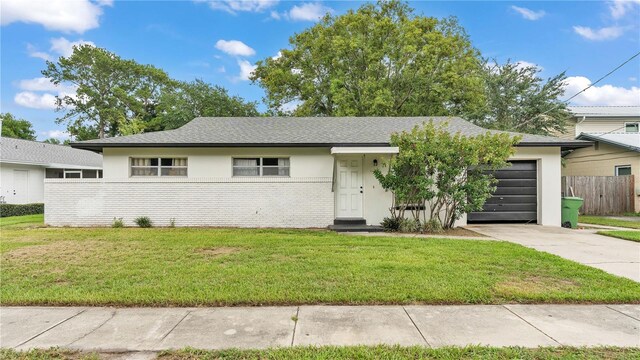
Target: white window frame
[
  {"x": 637, "y": 124},
  {"x": 159, "y": 166},
  {"x": 261, "y": 166},
  {"x": 618, "y": 167},
  {"x": 72, "y": 171}
]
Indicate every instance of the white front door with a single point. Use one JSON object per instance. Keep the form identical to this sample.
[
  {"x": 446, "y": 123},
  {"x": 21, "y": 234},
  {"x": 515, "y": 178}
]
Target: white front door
[
  {"x": 20, "y": 186},
  {"x": 349, "y": 188}
]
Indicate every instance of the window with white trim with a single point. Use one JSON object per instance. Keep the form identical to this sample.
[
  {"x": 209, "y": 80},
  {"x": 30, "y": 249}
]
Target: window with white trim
[
  {"x": 158, "y": 167},
  {"x": 632, "y": 127},
  {"x": 623, "y": 170},
  {"x": 55, "y": 173},
  {"x": 261, "y": 166}
]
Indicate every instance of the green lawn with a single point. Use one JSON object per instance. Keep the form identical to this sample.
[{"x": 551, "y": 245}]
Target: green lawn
[
  {"x": 621, "y": 234},
  {"x": 602, "y": 220},
  {"x": 197, "y": 267},
  {"x": 356, "y": 352}
]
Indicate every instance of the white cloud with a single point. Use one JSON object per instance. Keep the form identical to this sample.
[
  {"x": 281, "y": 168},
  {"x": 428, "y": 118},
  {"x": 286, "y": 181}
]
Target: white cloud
[
  {"x": 290, "y": 106},
  {"x": 528, "y": 13},
  {"x": 234, "y": 47},
  {"x": 61, "y": 15},
  {"x": 246, "y": 69},
  {"x": 525, "y": 64},
  {"x": 234, "y": 6},
  {"x": 43, "y": 84},
  {"x": 221, "y": 70},
  {"x": 619, "y": 8},
  {"x": 601, "y": 95},
  {"x": 277, "y": 56},
  {"x": 35, "y": 101},
  {"x": 55, "y": 134},
  {"x": 64, "y": 47},
  {"x": 605, "y": 33},
  {"x": 633, "y": 78},
  {"x": 308, "y": 12},
  {"x": 59, "y": 47},
  {"x": 275, "y": 15}
]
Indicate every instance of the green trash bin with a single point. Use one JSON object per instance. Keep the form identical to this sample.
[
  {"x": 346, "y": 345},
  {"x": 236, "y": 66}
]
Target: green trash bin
[{"x": 570, "y": 207}]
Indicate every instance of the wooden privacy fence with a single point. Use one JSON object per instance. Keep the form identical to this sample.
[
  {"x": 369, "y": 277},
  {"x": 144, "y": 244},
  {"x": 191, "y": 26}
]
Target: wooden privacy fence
[{"x": 603, "y": 195}]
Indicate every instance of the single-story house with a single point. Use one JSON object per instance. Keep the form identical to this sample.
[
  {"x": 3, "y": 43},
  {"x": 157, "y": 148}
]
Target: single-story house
[
  {"x": 615, "y": 134},
  {"x": 281, "y": 172},
  {"x": 24, "y": 165}
]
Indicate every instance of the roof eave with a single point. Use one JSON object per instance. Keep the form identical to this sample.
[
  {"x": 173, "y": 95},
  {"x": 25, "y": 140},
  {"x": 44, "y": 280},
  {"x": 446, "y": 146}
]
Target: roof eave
[{"x": 608, "y": 142}]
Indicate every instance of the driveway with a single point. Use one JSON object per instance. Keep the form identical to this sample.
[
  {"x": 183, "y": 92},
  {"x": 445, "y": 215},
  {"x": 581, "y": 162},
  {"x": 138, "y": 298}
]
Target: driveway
[{"x": 615, "y": 256}]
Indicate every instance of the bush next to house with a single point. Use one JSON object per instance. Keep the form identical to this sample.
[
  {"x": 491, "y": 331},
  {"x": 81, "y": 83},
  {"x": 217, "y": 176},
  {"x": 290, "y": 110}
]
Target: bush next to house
[
  {"x": 143, "y": 222},
  {"x": 7, "y": 210},
  {"x": 439, "y": 175}
]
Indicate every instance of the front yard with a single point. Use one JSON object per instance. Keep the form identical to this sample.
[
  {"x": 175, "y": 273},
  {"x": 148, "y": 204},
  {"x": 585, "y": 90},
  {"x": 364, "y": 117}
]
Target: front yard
[
  {"x": 630, "y": 235},
  {"x": 608, "y": 221},
  {"x": 198, "y": 267}
]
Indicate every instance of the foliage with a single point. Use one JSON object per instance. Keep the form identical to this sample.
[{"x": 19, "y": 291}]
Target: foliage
[
  {"x": 390, "y": 223},
  {"x": 117, "y": 223},
  {"x": 197, "y": 98},
  {"x": 55, "y": 141},
  {"x": 440, "y": 175},
  {"x": 143, "y": 222},
  {"x": 432, "y": 226},
  {"x": 381, "y": 60},
  {"x": 13, "y": 127},
  {"x": 108, "y": 88},
  {"x": 7, "y": 210},
  {"x": 517, "y": 99}
]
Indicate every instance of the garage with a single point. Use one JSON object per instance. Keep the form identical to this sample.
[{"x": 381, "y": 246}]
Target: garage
[{"x": 516, "y": 196}]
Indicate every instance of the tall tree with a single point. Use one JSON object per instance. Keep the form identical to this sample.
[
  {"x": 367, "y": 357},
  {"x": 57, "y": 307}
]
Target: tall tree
[
  {"x": 520, "y": 100},
  {"x": 16, "y": 128},
  {"x": 198, "y": 98},
  {"x": 108, "y": 90},
  {"x": 382, "y": 59}
]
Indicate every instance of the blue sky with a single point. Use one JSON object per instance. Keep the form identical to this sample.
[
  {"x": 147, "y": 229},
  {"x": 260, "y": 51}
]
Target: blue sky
[{"x": 219, "y": 41}]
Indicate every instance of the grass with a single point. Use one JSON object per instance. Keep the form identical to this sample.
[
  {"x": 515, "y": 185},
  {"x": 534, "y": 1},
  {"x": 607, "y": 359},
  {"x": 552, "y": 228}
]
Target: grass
[
  {"x": 607, "y": 221},
  {"x": 621, "y": 234},
  {"x": 22, "y": 221},
  {"x": 216, "y": 267},
  {"x": 354, "y": 352}
]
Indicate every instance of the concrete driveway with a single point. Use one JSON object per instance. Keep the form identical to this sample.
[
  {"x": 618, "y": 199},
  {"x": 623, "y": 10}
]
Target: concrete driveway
[{"x": 615, "y": 256}]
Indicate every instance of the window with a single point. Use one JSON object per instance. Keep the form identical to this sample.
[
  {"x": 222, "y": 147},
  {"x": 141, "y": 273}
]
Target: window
[
  {"x": 73, "y": 174},
  {"x": 158, "y": 167},
  {"x": 632, "y": 127},
  {"x": 260, "y": 167},
  {"x": 623, "y": 170}
]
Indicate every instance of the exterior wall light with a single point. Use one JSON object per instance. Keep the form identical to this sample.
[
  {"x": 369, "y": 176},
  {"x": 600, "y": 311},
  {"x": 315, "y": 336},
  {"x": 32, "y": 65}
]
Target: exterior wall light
[{"x": 375, "y": 162}]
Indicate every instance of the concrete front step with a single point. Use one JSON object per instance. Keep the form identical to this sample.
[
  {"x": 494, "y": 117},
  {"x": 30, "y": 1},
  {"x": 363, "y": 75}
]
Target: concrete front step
[{"x": 356, "y": 228}]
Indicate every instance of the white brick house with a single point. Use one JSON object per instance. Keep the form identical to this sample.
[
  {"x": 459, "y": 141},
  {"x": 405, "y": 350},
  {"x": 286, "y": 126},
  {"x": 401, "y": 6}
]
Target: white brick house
[{"x": 271, "y": 172}]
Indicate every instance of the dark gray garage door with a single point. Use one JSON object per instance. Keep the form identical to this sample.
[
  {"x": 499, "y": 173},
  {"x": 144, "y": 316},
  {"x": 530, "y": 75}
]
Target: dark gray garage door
[{"x": 515, "y": 199}]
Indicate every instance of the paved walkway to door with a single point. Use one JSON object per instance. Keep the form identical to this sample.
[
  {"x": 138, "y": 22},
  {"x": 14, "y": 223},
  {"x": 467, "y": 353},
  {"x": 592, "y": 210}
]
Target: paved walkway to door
[
  {"x": 615, "y": 256},
  {"x": 154, "y": 329}
]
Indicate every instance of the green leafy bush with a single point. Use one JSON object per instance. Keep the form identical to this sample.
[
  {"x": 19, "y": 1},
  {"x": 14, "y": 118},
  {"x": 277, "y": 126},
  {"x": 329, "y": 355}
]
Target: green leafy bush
[
  {"x": 117, "y": 223},
  {"x": 143, "y": 222},
  {"x": 7, "y": 210},
  {"x": 409, "y": 225},
  {"x": 390, "y": 224},
  {"x": 432, "y": 226}
]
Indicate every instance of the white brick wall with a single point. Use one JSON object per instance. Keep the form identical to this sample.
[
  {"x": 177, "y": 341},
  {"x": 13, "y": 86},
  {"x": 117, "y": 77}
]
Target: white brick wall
[{"x": 240, "y": 202}]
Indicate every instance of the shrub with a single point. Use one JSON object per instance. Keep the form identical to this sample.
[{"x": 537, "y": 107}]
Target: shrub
[
  {"x": 7, "y": 210},
  {"x": 143, "y": 222},
  {"x": 409, "y": 225},
  {"x": 390, "y": 224},
  {"x": 117, "y": 223},
  {"x": 432, "y": 226}
]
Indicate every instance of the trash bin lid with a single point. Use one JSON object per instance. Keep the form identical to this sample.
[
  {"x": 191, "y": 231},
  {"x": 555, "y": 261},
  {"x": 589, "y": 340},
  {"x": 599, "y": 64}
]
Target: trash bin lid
[{"x": 572, "y": 198}]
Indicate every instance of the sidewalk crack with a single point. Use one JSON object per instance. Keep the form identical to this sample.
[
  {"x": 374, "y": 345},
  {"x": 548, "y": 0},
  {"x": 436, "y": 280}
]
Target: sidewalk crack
[
  {"x": 416, "y": 326},
  {"x": 533, "y": 326},
  {"x": 295, "y": 325},
  {"x": 53, "y": 326},
  {"x": 176, "y": 325},
  {"x": 618, "y": 311},
  {"x": 113, "y": 314}
]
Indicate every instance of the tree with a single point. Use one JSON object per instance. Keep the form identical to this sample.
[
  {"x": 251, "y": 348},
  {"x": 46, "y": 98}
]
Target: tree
[
  {"x": 193, "y": 99},
  {"x": 108, "y": 89},
  {"x": 16, "y": 128},
  {"x": 445, "y": 174},
  {"x": 57, "y": 141},
  {"x": 519, "y": 100},
  {"x": 381, "y": 60}
]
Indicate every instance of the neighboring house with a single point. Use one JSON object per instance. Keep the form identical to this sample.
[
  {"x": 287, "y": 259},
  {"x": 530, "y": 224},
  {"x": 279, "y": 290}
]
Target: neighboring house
[
  {"x": 615, "y": 133},
  {"x": 24, "y": 164},
  {"x": 280, "y": 172}
]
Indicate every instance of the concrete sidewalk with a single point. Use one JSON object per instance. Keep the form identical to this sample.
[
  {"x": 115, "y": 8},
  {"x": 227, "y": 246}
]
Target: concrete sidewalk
[{"x": 154, "y": 329}]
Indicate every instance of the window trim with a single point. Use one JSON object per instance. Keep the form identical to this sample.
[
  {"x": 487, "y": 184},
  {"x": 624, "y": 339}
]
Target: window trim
[
  {"x": 159, "y": 167},
  {"x": 66, "y": 171},
  {"x": 261, "y": 166},
  {"x": 618, "y": 167},
  {"x": 636, "y": 123}
]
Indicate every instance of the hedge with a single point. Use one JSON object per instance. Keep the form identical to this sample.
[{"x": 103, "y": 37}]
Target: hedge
[{"x": 7, "y": 210}]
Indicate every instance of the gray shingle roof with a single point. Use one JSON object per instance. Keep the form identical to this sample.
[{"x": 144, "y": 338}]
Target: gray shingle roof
[
  {"x": 605, "y": 111},
  {"x": 20, "y": 151},
  {"x": 297, "y": 131}
]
